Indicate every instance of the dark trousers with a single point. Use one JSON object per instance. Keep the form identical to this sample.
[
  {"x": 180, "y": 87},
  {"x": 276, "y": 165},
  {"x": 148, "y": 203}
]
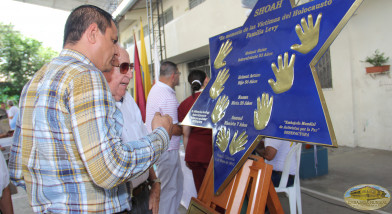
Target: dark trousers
[
  {"x": 140, "y": 200},
  {"x": 276, "y": 176}
]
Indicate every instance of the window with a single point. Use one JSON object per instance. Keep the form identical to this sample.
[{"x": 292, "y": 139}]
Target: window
[
  {"x": 201, "y": 64},
  {"x": 194, "y": 3},
  {"x": 145, "y": 31},
  {"x": 166, "y": 17},
  {"x": 324, "y": 72},
  {"x": 127, "y": 44}
]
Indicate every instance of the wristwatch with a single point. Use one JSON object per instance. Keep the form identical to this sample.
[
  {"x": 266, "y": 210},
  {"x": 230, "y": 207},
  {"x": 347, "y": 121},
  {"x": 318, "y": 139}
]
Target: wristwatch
[{"x": 157, "y": 180}]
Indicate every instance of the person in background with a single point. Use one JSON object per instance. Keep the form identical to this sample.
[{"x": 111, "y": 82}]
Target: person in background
[
  {"x": 13, "y": 113},
  {"x": 67, "y": 152},
  {"x": 2, "y": 106},
  {"x": 5, "y": 192},
  {"x": 146, "y": 187},
  {"x": 275, "y": 153},
  {"x": 162, "y": 98},
  {"x": 197, "y": 141}
]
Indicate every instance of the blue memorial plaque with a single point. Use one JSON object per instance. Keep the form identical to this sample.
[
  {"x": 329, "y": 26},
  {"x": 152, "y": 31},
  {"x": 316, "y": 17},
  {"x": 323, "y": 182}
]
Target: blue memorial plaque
[{"x": 263, "y": 81}]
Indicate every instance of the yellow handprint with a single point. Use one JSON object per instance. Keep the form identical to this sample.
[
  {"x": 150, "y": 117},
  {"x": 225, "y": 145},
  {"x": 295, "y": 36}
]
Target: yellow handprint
[
  {"x": 223, "y": 139},
  {"x": 217, "y": 87},
  {"x": 223, "y": 52},
  {"x": 284, "y": 75},
  {"x": 309, "y": 36},
  {"x": 220, "y": 109},
  {"x": 262, "y": 114},
  {"x": 237, "y": 144}
]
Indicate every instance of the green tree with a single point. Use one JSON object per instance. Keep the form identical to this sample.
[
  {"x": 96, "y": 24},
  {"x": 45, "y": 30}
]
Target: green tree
[{"x": 20, "y": 58}]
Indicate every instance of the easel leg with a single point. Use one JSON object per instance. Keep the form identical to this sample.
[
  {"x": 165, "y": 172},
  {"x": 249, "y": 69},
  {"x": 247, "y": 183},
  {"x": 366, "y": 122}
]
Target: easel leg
[{"x": 273, "y": 202}]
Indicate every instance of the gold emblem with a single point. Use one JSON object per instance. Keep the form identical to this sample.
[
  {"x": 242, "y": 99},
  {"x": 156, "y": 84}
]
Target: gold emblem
[
  {"x": 237, "y": 143},
  {"x": 223, "y": 52},
  {"x": 367, "y": 197},
  {"x": 220, "y": 108},
  {"x": 308, "y": 34},
  {"x": 284, "y": 75},
  {"x": 262, "y": 114},
  {"x": 223, "y": 139},
  {"x": 217, "y": 87}
]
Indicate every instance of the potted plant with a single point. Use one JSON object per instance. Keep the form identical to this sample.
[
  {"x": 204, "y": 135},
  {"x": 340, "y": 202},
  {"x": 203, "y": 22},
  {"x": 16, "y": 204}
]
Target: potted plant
[{"x": 377, "y": 60}]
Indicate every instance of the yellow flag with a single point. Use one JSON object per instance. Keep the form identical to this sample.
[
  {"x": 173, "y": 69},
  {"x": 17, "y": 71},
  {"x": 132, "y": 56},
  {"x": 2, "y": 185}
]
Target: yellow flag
[{"x": 144, "y": 63}]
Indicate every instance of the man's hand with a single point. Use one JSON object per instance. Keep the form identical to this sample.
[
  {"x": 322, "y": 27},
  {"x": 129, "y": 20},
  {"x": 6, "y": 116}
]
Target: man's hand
[
  {"x": 284, "y": 75},
  {"x": 223, "y": 139},
  {"x": 308, "y": 35},
  {"x": 155, "y": 193},
  {"x": 263, "y": 112},
  {"x": 164, "y": 121},
  {"x": 217, "y": 87},
  {"x": 237, "y": 144},
  {"x": 220, "y": 108},
  {"x": 223, "y": 52}
]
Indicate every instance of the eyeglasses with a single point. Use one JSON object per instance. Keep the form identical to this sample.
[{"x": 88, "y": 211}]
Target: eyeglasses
[{"x": 124, "y": 67}]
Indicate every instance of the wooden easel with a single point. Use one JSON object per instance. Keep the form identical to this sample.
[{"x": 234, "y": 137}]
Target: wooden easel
[{"x": 262, "y": 192}]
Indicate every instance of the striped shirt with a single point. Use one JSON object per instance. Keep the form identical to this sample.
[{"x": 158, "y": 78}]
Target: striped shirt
[
  {"x": 67, "y": 152},
  {"x": 162, "y": 98}
]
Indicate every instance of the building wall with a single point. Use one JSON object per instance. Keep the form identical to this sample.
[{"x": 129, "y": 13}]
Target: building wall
[{"x": 359, "y": 104}]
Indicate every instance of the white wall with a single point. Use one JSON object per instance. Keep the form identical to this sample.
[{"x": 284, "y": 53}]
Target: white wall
[
  {"x": 360, "y": 105},
  {"x": 193, "y": 29}
]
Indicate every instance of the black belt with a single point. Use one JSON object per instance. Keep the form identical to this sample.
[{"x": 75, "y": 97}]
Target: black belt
[
  {"x": 280, "y": 173},
  {"x": 124, "y": 212}
]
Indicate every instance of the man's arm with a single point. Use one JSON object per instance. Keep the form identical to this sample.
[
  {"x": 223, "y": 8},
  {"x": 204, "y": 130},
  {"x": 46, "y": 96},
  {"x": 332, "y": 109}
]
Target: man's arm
[
  {"x": 97, "y": 126},
  {"x": 177, "y": 130},
  {"x": 15, "y": 159},
  {"x": 186, "y": 131},
  {"x": 6, "y": 202},
  {"x": 269, "y": 153},
  {"x": 155, "y": 192}
]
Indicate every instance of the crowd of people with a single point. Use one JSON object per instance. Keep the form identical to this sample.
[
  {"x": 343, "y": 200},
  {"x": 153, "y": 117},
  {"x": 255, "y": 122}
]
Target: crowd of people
[{"x": 79, "y": 142}]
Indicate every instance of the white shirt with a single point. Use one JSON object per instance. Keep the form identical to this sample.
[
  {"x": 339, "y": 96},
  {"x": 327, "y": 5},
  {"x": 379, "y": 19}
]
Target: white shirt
[
  {"x": 162, "y": 98},
  {"x": 12, "y": 111},
  {"x": 133, "y": 128},
  {"x": 4, "y": 176},
  {"x": 283, "y": 148}
]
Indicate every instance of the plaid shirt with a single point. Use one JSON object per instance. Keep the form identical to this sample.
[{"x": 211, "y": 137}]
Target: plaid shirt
[{"x": 67, "y": 152}]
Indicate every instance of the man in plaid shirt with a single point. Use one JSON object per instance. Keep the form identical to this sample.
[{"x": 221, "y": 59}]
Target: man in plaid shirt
[{"x": 67, "y": 151}]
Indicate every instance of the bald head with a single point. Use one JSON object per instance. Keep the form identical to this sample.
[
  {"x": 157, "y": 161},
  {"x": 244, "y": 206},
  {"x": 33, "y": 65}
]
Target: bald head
[{"x": 120, "y": 75}]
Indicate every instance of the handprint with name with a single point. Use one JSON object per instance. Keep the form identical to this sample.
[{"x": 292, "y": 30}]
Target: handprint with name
[
  {"x": 262, "y": 114},
  {"x": 284, "y": 75},
  {"x": 237, "y": 144},
  {"x": 223, "y": 52},
  {"x": 220, "y": 108},
  {"x": 308, "y": 34},
  {"x": 217, "y": 86},
  {"x": 223, "y": 139}
]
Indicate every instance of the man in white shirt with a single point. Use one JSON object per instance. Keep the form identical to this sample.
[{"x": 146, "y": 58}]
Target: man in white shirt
[
  {"x": 143, "y": 199},
  {"x": 275, "y": 154},
  {"x": 13, "y": 113},
  {"x": 5, "y": 192},
  {"x": 162, "y": 98}
]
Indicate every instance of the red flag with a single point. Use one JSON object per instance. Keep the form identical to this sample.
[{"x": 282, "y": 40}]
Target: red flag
[{"x": 138, "y": 86}]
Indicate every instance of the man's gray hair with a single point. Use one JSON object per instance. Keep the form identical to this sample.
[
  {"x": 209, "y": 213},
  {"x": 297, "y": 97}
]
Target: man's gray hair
[
  {"x": 10, "y": 103},
  {"x": 167, "y": 68}
]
